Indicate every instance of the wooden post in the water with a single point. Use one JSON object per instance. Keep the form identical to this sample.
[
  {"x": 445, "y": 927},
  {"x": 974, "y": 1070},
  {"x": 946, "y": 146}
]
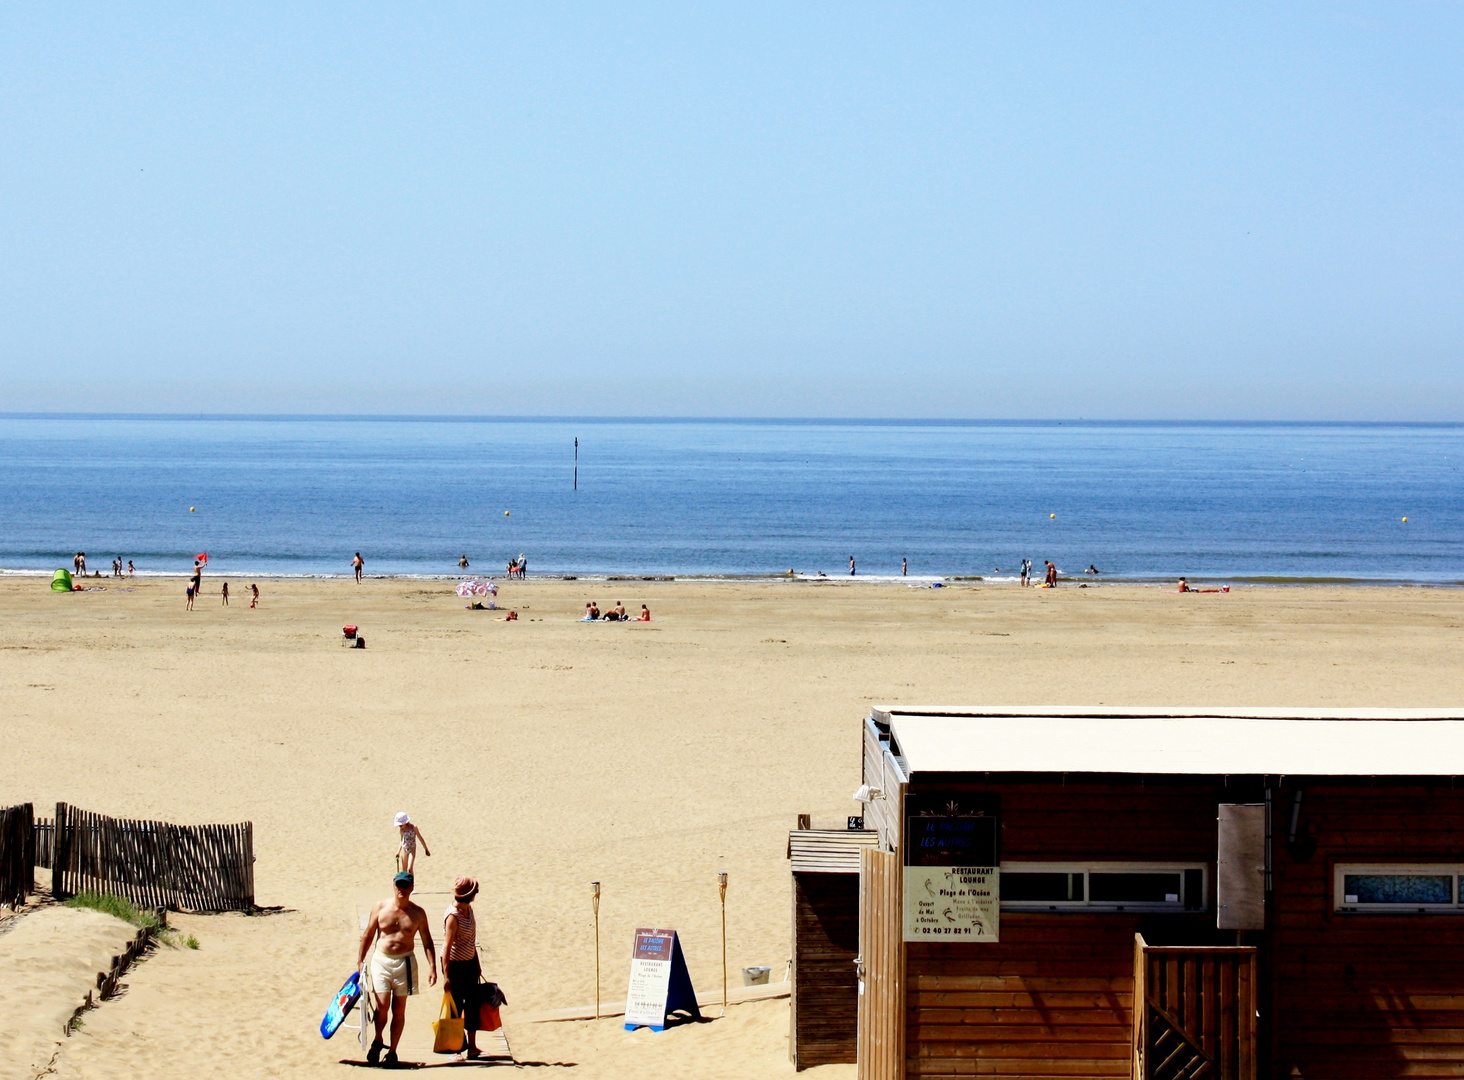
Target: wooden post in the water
[
  {"x": 576, "y": 487},
  {"x": 595, "y": 900},
  {"x": 722, "y": 887}
]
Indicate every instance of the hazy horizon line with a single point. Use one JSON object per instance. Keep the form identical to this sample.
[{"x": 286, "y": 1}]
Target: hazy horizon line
[{"x": 784, "y": 421}]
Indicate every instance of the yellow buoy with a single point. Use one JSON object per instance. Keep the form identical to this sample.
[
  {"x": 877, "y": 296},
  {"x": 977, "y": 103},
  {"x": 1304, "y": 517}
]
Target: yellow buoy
[
  {"x": 505, "y": 513},
  {"x": 191, "y": 509},
  {"x": 1053, "y": 517},
  {"x": 1405, "y": 521}
]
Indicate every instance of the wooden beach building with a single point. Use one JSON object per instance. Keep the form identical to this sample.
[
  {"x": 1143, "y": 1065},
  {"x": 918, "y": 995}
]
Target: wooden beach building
[{"x": 1096, "y": 892}]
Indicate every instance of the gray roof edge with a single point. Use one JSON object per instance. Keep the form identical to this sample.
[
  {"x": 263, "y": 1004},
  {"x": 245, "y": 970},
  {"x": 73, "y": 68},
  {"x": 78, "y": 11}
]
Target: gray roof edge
[{"x": 1119, "y": 712}]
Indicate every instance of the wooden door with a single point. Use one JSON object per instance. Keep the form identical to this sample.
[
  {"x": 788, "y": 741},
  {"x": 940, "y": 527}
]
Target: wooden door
[
  {"x": 1194, "y": 1013},
  {"x": 882, "y": 968}
]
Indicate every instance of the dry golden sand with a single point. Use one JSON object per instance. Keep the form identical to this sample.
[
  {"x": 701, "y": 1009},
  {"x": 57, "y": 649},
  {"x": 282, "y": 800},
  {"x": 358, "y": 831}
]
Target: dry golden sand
[{"x": 542, "y": 754}]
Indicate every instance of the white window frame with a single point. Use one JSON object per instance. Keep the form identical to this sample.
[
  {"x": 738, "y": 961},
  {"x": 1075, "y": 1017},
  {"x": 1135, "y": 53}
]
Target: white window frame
[
  {"x": 1088, "y": 868},
  {"x": 1341, "y": 870}
]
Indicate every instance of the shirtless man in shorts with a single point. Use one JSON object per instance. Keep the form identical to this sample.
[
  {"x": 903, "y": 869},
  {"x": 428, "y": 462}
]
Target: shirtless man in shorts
[{"x": 394, "y": 925}]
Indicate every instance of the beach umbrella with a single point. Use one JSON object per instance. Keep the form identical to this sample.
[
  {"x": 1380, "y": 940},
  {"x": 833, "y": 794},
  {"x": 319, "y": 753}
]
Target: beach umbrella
[{"x": 477, "y": 588}]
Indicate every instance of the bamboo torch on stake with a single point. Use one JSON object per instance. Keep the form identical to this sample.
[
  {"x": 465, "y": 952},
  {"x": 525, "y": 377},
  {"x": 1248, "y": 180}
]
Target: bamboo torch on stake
[
  {"x": 722, "y": 888},
  {"x": 595, "y": 903}
]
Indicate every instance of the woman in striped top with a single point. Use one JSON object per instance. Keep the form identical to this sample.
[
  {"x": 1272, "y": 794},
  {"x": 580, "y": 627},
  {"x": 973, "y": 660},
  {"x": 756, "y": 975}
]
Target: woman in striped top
[{"x": 460, "y": 959}]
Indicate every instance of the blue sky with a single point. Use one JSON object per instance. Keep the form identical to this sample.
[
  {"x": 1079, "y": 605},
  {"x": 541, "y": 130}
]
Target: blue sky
[{"x": 841, "y": 210}]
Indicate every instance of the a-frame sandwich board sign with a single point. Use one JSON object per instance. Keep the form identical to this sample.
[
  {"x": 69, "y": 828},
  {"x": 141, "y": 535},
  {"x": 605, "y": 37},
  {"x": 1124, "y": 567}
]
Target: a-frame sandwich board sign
[{"x": 659, "y": 982}]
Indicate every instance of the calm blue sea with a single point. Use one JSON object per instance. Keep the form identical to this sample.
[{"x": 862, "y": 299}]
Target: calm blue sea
[{"x": 1139, "y": 501}]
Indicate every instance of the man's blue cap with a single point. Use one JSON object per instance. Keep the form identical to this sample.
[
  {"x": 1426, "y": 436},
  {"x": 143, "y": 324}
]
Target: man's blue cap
[{"x": 404, "y": 878}]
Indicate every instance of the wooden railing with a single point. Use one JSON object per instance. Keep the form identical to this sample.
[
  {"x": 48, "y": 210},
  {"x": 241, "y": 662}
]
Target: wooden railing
[
  {"x": 152, "y": 863},
  {"x": 1194, "y": 1012}
]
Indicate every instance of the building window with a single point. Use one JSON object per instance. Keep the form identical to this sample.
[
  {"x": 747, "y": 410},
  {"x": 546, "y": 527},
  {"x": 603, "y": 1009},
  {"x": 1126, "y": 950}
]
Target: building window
[
  {"x": 1103, "y": 886},
  {"x": 1397, "y": 887}
]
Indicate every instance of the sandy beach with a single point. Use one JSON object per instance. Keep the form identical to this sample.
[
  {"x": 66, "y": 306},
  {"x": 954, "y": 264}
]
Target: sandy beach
[{"x": 542, "y": 754}]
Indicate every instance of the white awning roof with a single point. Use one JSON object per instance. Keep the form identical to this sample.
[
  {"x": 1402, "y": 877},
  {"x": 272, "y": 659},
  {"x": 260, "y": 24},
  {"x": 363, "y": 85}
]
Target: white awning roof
[{"x": 1088, "y": 739}]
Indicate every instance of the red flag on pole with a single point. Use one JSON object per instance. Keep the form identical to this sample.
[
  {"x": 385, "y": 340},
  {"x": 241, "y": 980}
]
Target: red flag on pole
[{"x": 202, "y": 556}]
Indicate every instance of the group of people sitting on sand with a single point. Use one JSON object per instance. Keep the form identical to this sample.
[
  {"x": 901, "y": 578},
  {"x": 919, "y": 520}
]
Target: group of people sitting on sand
[{"x": 615, "y": 614}]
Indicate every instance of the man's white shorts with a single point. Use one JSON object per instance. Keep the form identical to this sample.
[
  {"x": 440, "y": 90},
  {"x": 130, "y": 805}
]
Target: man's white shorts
[{"x": 395, "y": 975}]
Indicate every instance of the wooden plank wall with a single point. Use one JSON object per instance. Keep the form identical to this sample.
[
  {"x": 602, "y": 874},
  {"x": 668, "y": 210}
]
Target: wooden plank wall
[
  {"x": 17, "y": 855},
  {"x": 1054, "y": 997},
  {"x": 882, "y": 952},
  {"x": 152, "y": 863},
  {"x": 1365, "y": 995},
  {"x": 825, "y": 1005},
  {"x": 877, "y": 814}
]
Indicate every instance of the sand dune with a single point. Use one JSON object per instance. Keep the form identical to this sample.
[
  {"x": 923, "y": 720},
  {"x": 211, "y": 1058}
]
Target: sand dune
[{"x": 542, "y": 754}]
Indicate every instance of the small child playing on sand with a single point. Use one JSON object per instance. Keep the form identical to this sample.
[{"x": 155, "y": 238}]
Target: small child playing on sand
[
  {"x": 254, "y": 596},
  {"x": 225, "y": 593},
  {"x": 407, "y": 849}
]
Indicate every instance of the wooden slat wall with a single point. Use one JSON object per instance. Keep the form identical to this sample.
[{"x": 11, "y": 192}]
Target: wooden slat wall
[
  {"x": 825, "y": 1005},
  {"x": 152, "y": 863},
  {"x": 1367, "y": 995},
  {"x": 828, "y": 851},
  {"x": 881, "y": 1038},
  {"x": 877, "y": 814},
  {"x": 1054, "y": 997}
]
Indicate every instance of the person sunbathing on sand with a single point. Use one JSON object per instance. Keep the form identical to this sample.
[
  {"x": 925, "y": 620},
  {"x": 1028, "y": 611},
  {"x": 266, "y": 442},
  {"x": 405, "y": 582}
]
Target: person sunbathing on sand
[
  {"x": 1183, "y": 586},
  {"x": 592, "y": 613},
  {"x": 512, "y": 616},
  {"x": 645, "y": 615}
]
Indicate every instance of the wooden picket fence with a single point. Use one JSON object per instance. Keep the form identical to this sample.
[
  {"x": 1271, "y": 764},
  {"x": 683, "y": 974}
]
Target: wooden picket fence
[
  {"x": 152, "y": 863},
  {"x": 17, "y": 855},
  {"x": 44, "y": 832}
]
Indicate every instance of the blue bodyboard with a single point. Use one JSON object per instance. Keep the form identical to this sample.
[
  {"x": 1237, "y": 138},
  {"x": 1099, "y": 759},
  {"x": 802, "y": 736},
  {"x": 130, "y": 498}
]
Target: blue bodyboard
[{"x": 344, "y": 1001}]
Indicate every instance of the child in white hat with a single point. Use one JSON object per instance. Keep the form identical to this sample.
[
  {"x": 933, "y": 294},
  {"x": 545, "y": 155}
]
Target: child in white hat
[{"x": 408, "y": 835}]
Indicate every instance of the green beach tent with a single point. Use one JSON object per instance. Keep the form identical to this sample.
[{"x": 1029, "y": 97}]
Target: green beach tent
[{"x": 61, "y": 581}]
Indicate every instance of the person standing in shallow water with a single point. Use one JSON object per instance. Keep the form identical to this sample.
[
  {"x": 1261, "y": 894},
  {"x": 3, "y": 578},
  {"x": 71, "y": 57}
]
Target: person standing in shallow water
[
  {"x": 358, "y": 564},
  {"x": 851, "y": 565},
  {"x": 904, "y": 567}
]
